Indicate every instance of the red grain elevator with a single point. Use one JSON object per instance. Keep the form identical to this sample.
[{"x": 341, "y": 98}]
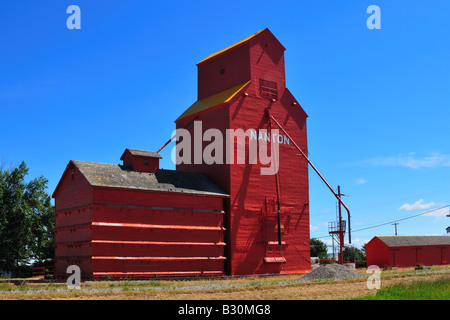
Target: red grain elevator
[
  {"x": 206, "y": 217},
  {"x": 237, "y": 88}
]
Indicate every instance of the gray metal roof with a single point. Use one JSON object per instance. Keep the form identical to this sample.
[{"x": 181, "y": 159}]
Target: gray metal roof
[
  {"x": 404, "y": 241},
  {"x": 116, "y": 176}
]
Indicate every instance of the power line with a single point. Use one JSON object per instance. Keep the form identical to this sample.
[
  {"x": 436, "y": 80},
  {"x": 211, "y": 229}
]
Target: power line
[
  {"x": 393, "y": 221},
  {"x": 401, "y": 219}
]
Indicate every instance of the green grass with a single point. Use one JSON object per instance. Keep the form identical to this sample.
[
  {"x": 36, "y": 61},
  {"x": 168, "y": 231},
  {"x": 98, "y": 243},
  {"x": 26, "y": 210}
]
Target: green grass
[{"x": 420, "y": 290}]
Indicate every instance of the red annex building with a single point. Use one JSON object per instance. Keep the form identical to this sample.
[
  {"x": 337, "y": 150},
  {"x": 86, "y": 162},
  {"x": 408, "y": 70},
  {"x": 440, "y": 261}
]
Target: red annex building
[
  {"x": 136, "y": 220},
  {"x": 203, "y": 218},
  {"x": 408, "y": 251}
]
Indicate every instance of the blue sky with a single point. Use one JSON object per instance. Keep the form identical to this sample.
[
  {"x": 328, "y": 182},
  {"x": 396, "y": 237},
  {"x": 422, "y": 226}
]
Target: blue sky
[{"x": 378, "y": 100}]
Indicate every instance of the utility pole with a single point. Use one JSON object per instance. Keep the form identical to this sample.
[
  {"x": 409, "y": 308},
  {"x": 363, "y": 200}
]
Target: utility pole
[
  {"x": 341, "y": 228},
  {"x": 395, "y": 224},
  {"x": 341, "y": 232}
]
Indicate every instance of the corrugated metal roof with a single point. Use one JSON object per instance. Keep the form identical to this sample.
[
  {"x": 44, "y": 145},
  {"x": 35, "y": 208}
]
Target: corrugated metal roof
[
  {"x": 116, "y": 176},
  {"x": 405, "y": 241},
  {"x": 213, "y": 101}
]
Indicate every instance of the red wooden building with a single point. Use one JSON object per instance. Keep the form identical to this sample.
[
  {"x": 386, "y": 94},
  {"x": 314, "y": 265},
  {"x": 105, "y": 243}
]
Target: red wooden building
[
  {"x": 408, "y": 251},
  {"x": 203, "y": 218},
  {"x": 237, "y": 86},
  {"x": 136, "y": 220}
]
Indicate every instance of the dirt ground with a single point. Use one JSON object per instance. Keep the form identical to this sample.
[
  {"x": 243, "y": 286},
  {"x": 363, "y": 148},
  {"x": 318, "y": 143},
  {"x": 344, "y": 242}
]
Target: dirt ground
[{"x": 252, "y": 288}]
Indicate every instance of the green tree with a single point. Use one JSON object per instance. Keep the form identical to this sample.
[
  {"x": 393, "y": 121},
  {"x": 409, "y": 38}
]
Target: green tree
[
  {"x": 26, "y": 219},
  {"x": 353, "y": 254},
  {"x": 318, "y": 248}
]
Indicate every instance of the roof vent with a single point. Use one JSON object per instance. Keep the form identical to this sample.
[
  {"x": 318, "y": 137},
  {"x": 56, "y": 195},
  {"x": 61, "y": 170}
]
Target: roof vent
[{"x": 268, "y": 89}]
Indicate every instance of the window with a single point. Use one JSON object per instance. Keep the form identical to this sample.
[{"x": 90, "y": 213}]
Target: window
[
  {"x": 145, "y": 161},
  {"x": 222, "y": 71},
  {"x": 268, "y": 89}
]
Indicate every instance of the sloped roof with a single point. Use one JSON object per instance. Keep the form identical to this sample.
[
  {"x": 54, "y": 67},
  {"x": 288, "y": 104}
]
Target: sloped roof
[
  {"x": 230, "y": 47},
  {"x": 239, "y": 43},
  {"x": 143, "y": 153},
  {"x": 116, "y": 176},
  {"x": 213, "y": 101},
  {"x": 405, "y": 241}
]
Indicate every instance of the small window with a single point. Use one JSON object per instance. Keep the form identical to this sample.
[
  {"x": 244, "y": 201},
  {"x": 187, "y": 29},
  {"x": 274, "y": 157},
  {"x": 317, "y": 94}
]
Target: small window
[
  {"x": 145, "y": 161},
  {"x": 270, "y": 249},
  {"x": 222, "y": 71},
  {"x": 268, "y": 89}
]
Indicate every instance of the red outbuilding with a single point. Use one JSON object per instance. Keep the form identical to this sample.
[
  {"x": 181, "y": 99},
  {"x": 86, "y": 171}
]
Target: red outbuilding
[{"x": 408, "y": 251}]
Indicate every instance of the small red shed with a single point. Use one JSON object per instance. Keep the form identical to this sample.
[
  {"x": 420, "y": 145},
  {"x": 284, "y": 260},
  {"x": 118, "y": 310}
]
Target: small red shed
[
  {"x": 408, "y": 251},
  {"x": 135, "y": 220}
]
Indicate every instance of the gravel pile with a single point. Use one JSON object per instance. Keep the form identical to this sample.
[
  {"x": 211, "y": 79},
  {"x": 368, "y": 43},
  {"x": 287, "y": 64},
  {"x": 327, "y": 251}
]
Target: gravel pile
[{"x": 331, "y": 271}]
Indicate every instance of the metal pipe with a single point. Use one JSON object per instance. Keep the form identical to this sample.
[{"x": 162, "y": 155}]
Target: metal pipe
[
  {"x": 317, "y": 171},
  {"x": 341, "y": 232},
  {"x": 174, "y": 136},
  {"x": 279, "y": 224},
  {"x": 165, "y": 144},
  {"x": 278, "y": 191}
]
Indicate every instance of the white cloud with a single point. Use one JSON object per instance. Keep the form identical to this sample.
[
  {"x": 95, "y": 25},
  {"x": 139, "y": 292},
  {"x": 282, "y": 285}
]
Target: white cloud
[
  {"x": 411, "y": 160},
  {"x": 360, "y": 181},
  {"x": 318, "y": 226},
  {"x": 419, "y": 204},
  {"x": 442, "y": 212}
]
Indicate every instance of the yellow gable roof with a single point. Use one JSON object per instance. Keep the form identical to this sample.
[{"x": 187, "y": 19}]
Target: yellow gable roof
[
  {"x": 213, "y": 101},
  {"x": 232, "y": 46}
]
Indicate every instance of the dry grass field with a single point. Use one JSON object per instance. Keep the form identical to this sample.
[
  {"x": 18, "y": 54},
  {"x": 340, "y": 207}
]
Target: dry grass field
[{"x": 227, "y": 288}]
